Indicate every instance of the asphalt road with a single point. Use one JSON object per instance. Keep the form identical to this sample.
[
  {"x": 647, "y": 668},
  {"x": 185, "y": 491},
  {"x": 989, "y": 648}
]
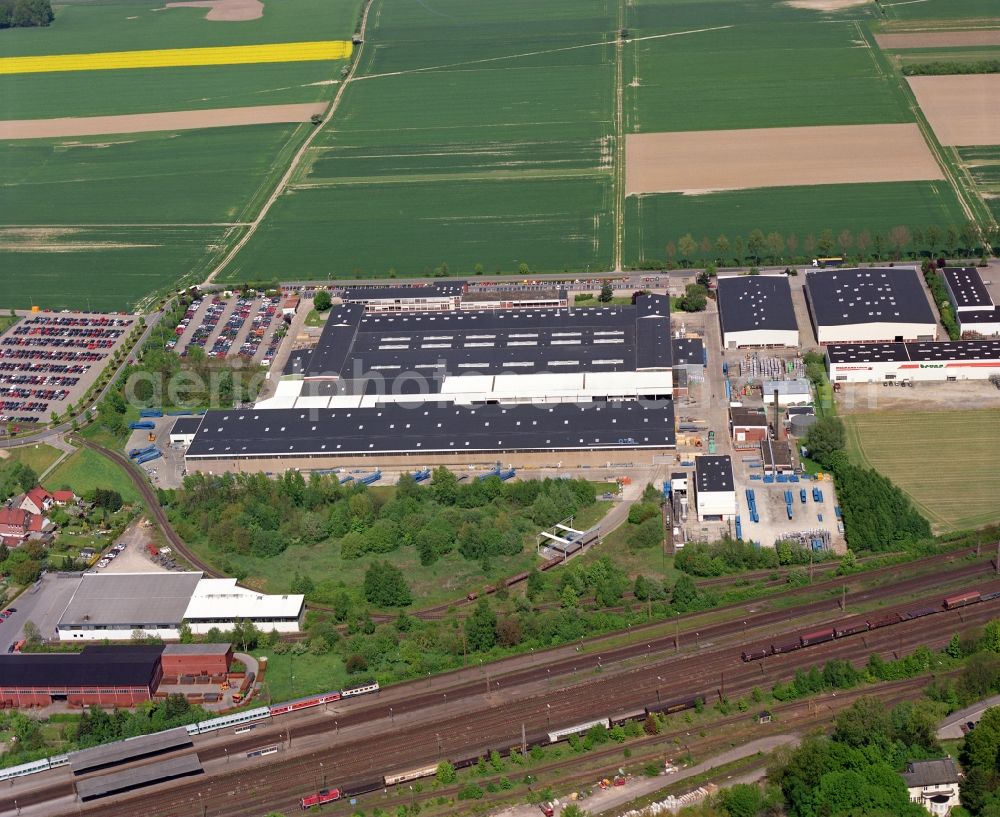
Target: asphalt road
[{"x": 951, "y": 727}]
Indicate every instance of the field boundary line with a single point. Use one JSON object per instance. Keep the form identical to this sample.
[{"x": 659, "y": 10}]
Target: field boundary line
[
  {"x": 297, "y": 158},
  {"x": 973, "y": 207},
  {"x": 427, "y": 68},
  {"x": 619, "y": 175}
]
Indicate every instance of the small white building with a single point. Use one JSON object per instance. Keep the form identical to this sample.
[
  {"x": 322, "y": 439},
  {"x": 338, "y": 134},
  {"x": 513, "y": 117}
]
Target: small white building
[
  {"x": 982, "y": 323},
  {"x": 934, "y": 784},
  {"x": 869, "y": 306},
  {"x": 790, "y": 392},
  {"x": 940, "y": 360},
  {"x": 184, "y": 429},
  {"x": 715, "y": 488},
  {"x": 115, "y": 606},
  {"x": 756, "y": 310}
]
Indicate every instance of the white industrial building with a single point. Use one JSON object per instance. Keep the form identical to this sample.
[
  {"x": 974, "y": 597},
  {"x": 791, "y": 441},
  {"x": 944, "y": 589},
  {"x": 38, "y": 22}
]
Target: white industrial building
[
  {"x": 869, "y": 306},
  {"x": 715, "y": 488},
  {"x": 756, "y": 310},
  {"x": 115, "y": 606},
  {"x": 790, "y": 392},
  {"x": 183, "y": 430},
  {"x": 937, "y": 360}
]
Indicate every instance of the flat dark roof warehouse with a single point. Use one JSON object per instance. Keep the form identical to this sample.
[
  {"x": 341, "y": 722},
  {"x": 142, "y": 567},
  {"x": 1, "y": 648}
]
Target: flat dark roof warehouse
[
  {"x": 851, "y": 296},
  {"x": 434, "y": 427},
  {"x": 356, "y": 344},
  {"x": 967, "y": 288},
  {"x": 750, "y": 302}
]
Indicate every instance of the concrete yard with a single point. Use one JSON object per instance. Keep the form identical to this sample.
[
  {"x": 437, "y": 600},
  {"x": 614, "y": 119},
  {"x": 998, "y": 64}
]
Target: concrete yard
[{"x": 43, "y": 603}]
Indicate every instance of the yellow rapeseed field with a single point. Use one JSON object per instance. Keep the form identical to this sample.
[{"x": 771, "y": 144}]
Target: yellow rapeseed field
[{"x": 173, "y": 57}]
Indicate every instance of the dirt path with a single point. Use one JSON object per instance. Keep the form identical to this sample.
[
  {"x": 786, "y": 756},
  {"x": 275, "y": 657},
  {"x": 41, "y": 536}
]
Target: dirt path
[
  {"x": 297, "y": 158},
  {"x": 621, "y": 155},
  {"x": 163, "y": 121},
  {"x": 604, "y": 801}
]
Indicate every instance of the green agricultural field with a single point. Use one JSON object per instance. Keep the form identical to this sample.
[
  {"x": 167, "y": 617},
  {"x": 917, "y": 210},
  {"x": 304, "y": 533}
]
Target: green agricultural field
[
  {"x": 107, "y": 93},
  {"x": 414, "y": 227},
  {"x": 945, "y": 460},
  {"x": 983, "y": 164},
  {"x": 495, "y": 150},
  {"x": 84, "y": 26},
  {"x": 655, "y": 220},
  {"x": 946, "y": 11},
  {"x": 86, "y": 470},
  {"x": 163, "y": 177},
  {"x": 759, "y": 75},
  {"x": 100, "y": 268}
]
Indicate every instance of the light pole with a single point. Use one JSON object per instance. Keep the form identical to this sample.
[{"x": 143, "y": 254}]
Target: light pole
[
  {"x": 548, "y": 715},
  {"x": 392, "y": 719}
]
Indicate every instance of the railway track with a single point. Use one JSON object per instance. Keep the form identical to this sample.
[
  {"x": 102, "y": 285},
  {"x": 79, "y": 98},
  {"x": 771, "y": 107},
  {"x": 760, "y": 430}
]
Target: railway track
[
  {"x": 153, "y": 504},
  {"x": 489, "y": 722}
]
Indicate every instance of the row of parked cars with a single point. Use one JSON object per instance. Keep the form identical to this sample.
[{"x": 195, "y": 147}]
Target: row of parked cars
[{"x": 110, "y": 556}]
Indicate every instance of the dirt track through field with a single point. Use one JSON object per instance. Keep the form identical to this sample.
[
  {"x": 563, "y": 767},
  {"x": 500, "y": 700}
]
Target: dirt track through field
[
  {"x": 939, "y": 39},
  {"x": 165, "y": 121},
  {"x": 962, "y": 109},
  {"x": 705, "y": 161}
]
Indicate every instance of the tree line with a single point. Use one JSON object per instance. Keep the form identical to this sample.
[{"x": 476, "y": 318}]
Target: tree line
[
  {"x": 877, "y": 515},
  {"x": 25, "y": 13},
  {"x": 942, "y": 67},
  {"x": 775, "y": 247}
]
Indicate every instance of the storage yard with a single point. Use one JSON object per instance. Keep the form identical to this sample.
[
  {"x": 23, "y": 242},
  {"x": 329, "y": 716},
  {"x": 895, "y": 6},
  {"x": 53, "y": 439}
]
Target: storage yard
[{"x": 48, "y": 360}]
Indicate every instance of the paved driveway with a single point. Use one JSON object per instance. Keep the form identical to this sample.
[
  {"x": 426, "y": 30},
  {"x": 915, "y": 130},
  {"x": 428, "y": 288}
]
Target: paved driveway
[{"x": 43, "y": 603}]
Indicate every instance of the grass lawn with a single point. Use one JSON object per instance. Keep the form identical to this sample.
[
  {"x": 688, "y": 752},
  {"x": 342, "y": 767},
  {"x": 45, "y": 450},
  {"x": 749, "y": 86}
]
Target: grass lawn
[
  {"x": 946, "y": 11},
  {"x": 7, "y": 321},
  {"x": 983, "y": 164},
  {"x": 653, "y": 221},
  {"x": 86, "y": 470},
  {"x": 37, "y": 457},
  {"x": 954, "y": 491},
  {"x": 293, "y": 676},
  {"x": 315, "y": 319},
  {"x": 645, "y": 561}
]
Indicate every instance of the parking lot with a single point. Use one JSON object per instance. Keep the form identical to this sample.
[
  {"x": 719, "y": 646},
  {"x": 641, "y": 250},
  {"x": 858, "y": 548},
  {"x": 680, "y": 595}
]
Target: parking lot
[
  {"x": 49, "y": 360},
  {"x": 43, "y": 603},
  {"x": 233, "y": 326}
]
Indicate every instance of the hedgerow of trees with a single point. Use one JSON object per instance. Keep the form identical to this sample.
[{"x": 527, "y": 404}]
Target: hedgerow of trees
[
  {"x": 941, "y": 67},
  {"x": 877, "y": 514},
  {"x": 25, "y": 13},
  {"x": 774, "y": 247}
]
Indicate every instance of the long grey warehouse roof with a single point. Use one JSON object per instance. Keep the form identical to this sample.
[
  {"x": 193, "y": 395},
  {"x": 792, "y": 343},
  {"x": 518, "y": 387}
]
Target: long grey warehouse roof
[
  {"x": 907, "y": 352},
  {"x": 713, "y": 473},
  {"x": 877, "y": 295},
  {"x": 395, "y": 293},
  {"x": 967, "y": 288},
  {"x": 749, "y": 302},
  {"x": 434, "y": 427},
  {"x": 130, "y": 666},
  {"x": 355, "y": 344},
  {"x": 130, "y": 599}
]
